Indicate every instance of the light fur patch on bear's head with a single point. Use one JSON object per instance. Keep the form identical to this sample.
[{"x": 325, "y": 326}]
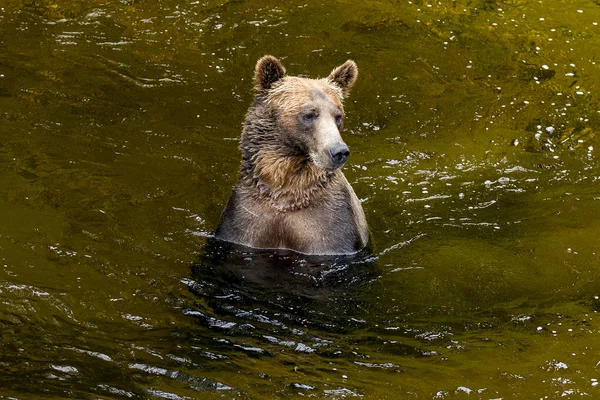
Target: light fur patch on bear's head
[{"x": 291, "y": 93}]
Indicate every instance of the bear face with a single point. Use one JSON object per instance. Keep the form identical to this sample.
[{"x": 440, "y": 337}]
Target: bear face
[
  {"x": 291, "y": 192},
  {"x": 308, "y": 112}
]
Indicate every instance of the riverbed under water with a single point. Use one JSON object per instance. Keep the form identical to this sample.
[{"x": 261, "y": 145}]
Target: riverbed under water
[{"x": 474, "y": 136}]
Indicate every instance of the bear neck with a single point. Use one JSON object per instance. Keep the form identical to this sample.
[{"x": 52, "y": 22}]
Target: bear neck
[{"x": 289, "y": 182}]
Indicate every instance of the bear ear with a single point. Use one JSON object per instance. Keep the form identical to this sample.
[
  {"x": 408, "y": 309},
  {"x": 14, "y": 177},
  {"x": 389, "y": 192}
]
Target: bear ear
[
  {"x": 344, "y": 76},
  {"x": 268, "y": 71}
]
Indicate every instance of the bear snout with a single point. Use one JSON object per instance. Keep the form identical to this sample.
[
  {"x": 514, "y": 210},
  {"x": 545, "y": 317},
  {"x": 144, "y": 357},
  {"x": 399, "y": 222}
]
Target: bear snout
[{"x": 339, "y": 153}]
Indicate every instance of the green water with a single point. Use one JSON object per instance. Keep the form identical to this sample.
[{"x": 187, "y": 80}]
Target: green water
[{"x": 474, "y": 136}]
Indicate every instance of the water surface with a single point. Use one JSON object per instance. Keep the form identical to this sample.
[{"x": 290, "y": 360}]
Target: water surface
[{"x": 473, "y": 129}]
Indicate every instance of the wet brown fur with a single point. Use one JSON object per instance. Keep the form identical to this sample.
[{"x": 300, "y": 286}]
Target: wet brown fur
[{"x": 283, "y": 199}]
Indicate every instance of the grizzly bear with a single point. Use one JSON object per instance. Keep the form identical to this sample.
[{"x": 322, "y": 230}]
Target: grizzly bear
[{"x": 291, "y": 193}]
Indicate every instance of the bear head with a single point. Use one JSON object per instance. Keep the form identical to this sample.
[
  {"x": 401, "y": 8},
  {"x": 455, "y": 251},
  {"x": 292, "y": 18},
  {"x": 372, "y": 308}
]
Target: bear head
[{"x": 303, "y": 117}]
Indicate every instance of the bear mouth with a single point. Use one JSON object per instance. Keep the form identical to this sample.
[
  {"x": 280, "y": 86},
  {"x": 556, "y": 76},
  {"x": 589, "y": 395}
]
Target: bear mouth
[{"x": 330, "y": 159}]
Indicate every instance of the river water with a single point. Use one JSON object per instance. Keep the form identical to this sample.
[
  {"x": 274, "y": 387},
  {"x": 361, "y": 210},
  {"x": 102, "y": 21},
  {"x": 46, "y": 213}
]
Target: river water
[{"x": 473, "y": 129}]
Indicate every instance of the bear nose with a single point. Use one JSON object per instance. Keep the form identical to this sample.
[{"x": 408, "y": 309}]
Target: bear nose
[{"x": 339, "y": 154}]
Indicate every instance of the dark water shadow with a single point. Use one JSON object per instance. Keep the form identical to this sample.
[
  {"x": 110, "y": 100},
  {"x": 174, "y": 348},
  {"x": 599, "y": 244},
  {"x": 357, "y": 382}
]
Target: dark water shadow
[{"x": 280, "y": 290}]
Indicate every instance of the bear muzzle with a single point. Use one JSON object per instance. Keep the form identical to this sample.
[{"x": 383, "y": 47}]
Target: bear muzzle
[{"x": 338, "y": 154}]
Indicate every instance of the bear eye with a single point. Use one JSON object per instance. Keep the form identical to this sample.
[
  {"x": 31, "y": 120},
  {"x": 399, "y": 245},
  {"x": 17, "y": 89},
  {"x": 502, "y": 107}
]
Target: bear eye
[
  {"x": 338, "y": 119},
  {"x": 309, "y": 117}
]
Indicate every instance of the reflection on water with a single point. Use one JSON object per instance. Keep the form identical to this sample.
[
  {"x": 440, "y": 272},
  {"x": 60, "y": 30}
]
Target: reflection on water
[{"x": 473, "y": 130}]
